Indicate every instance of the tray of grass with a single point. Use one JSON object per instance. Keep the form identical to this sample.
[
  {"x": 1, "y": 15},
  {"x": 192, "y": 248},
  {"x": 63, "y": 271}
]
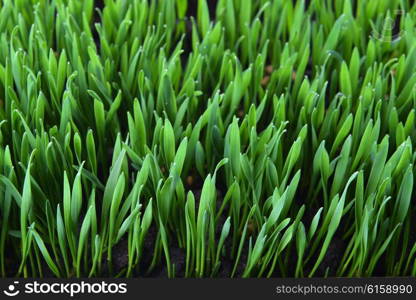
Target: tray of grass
[{"x": 228, "y": 138}]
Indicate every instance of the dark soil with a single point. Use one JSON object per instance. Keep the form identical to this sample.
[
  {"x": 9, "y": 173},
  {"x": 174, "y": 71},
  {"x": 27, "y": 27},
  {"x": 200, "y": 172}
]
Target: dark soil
[
  {"x": 120, "y": 256},
  {"x": 332, "y": 258}
]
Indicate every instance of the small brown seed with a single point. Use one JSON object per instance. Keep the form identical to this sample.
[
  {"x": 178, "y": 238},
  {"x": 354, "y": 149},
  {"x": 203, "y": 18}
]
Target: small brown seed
[
  {"x": 265, "y": 80},
  {"x": 189, "y": 180}
]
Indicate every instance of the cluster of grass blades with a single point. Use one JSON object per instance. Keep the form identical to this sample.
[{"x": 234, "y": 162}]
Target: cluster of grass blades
[{"x": 265, "y": 138}]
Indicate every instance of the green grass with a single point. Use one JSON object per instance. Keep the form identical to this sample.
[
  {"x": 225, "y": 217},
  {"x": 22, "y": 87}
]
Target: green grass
[{"x": 268, "y": 139}]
